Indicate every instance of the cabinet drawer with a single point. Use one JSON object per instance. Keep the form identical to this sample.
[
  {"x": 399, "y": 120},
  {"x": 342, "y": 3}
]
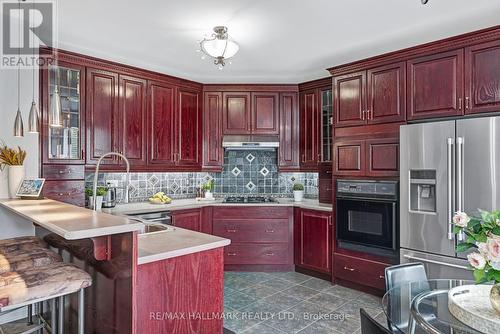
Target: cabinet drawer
[
  {"x": 251, "y": 212},
  {"x": 251, "y": 230},
  {"x": 72, "y": 192},
  {"x": 361, "y": 271},
  {"x": 256, "y": 254},
  {"x": 63, "y": 172}
]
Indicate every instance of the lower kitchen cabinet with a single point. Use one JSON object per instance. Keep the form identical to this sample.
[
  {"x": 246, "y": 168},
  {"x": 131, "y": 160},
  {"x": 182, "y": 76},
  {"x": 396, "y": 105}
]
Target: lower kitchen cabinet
[
  {"x": 360, "y": 271},
  {"x": 190, "y": 219},
  {"x": 261, "y": 237},
  {"x": 313, "y": 240}
]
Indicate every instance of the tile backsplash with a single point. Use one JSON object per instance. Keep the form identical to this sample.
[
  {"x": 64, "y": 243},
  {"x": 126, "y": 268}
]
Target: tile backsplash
[{"x": 245, "y": 172}]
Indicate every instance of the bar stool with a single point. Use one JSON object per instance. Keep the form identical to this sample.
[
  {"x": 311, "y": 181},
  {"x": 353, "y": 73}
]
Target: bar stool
[
  {"x": 37, "y": 285},
  {"x": 26, "y": 252}
]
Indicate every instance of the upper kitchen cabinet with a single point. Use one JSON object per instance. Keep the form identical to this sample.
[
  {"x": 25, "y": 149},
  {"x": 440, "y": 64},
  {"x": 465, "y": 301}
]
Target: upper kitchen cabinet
[
  {"x": 102, "y": 115},
  {"x": 482, "y": 78},
  {"x": 132, "y": 118},
  {"x": 161, "y": 124},
  {"x": 377, "y": 95},
  {"x": 309, "y": 129},
  {"x": 265, "y": 113},
  {"x": 350, "y": 99},
  {"x": 326, "y": 119},
  {"x": 236, "y": 113},
  {"x": 189, "y": 134},
  {"x": 213, "y": 154},
  {"x": 386, "y": 94},
  {"x": 289, "y": 132},
  {"x": 435, "y": 85},
  {"x": 63, "y": 139}
]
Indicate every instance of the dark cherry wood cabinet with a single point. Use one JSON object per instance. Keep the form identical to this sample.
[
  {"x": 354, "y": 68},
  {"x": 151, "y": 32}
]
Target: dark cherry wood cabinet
[
  {"x": 309, "y": 129},
  {"x": 288, "y": 156},
  {"x": 350, "y": 157},
  {"x": 189, "y": 128},
  {"x": 132, "y": 117},
  {"x": 213, "y": 153},
  {"x": 386, "y": 94},
  {"x": 161, "y": 124},
  {"x": 313, "y": 240},
  {"x": 236, "y": 116},
  {"x": 68, "y": 191},
  {"x": 482, "y": 78},
  {"x": 435, "y": 85},
  {"x": 350, "y": 99},
  {"x": 382, "y": 157},
  {"x": 360, "y": 271},
  {"x": 367, "y": 157},
  {"x": 189, "y": 219},
  {"x": 265, "y": 113},
  {"x": 261, "y": 237},
  {"x": 377, "y": 95},
  {"x": 102, "y": 115},
  {"x": 325, "y": 183}
]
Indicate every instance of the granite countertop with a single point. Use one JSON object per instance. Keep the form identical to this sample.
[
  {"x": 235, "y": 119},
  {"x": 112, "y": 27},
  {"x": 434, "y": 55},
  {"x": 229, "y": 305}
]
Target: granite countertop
[
  {"x": 69, "y": 221},
  {"x": 192, "y": 203},
  {"x": 163, "y": 245}
]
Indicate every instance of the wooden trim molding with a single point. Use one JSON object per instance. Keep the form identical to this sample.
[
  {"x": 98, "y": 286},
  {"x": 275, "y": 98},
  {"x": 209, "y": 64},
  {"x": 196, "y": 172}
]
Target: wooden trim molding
[
  {"x": 455, "y": 42},
  {"x": 320, "y": 83},
  {"x": 250, "y": 87}
]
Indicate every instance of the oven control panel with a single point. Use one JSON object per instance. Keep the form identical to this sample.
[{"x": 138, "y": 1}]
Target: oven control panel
[{"x": 381, "y": 188}]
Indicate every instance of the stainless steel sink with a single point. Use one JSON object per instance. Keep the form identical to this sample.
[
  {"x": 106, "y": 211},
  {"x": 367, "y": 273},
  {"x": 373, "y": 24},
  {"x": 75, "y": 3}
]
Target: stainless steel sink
[{"x": 153, "y": 228}]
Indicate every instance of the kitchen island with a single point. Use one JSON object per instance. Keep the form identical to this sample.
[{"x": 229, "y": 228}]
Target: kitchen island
[{"x": 163, "y": 282}]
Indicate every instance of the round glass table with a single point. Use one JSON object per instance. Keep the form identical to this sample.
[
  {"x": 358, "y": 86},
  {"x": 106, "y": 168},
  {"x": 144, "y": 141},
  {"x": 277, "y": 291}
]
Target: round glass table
[{"x": 422, "y": 307}]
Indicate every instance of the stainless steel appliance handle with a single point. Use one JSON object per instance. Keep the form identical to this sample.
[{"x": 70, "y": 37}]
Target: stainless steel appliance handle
[
  {"x": 409, "y": 257},
  {"x": 460, "y": 180},
  {"x": 450, "y": 142}
]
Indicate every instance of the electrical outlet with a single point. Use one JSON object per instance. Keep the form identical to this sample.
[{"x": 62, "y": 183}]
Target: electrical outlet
[{"x": 112, "y": 183}]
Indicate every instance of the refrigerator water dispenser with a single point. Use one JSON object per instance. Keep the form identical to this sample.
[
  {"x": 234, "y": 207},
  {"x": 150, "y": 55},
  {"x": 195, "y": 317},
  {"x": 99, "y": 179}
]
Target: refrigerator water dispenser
[{"x": 423, "y": 191}]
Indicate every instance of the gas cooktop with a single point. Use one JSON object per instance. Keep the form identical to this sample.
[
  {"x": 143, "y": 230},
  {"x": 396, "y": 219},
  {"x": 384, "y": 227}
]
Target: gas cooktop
[{"x": 249, "y": 199}]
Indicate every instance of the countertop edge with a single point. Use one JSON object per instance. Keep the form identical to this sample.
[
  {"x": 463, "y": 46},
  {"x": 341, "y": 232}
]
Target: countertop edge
[{"x": 181, "y": 252}]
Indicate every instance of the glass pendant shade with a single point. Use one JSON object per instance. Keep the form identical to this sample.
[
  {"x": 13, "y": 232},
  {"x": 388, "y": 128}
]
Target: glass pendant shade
[
  {"x": 33, "y": 119},
  {"x": 55, "y": 109},
  {"x": 18, "y": 125},
  {"x": 220, "y": 48}
]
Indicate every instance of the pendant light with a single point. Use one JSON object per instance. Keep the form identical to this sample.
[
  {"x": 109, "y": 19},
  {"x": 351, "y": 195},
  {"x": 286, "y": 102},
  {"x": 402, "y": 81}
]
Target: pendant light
[
  {"x": 18, "y": 123},
  {"x": 33, "y": 119},
  {"x": 55, "y": 105}
]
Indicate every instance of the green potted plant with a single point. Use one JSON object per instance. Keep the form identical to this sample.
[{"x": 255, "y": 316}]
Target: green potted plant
[
  {"x": 208, "y": 188},
  {"x": 14, "y": 160},
  {"x": 482, "y": 235},
  {"x": 298, "y": 192},
  {"x": 101, "y": 191}
]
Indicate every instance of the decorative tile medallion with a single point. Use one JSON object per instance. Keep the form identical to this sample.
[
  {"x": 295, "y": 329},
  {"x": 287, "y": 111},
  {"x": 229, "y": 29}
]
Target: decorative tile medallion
[
  {"x": 250, "y": 186},
  {"x": 236, "y": 171},
  {"x": 250, "y": 157},
  {"x": 264, "y": 171}
]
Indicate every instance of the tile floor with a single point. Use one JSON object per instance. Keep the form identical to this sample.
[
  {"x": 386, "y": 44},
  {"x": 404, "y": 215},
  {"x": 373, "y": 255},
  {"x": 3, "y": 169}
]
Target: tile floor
[{"x": 278, "y": 303}]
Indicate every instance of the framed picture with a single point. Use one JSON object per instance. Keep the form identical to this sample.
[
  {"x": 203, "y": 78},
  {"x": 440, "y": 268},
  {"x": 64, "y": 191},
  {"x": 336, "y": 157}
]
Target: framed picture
[{"x": 30, "y": 188}]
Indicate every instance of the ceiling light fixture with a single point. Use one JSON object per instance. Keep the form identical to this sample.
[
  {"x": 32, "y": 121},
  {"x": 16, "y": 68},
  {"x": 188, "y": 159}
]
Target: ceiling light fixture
[
  {"x": 219, "y": 46},
  {"x": 424, "y": 2},
  {"x": 33, "y": 119},
  {"x": 18, "y": 122}
]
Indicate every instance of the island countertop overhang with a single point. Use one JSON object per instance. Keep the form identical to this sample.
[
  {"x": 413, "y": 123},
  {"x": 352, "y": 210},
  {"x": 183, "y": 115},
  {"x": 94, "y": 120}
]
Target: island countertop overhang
[{"x": 69, "y": 221}]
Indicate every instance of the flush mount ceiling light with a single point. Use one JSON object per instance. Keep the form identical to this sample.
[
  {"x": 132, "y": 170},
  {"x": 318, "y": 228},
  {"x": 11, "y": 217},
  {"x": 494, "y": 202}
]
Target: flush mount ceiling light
[
  {"x": 219, "y": 47},
  {"x": 424, "y": 2}
]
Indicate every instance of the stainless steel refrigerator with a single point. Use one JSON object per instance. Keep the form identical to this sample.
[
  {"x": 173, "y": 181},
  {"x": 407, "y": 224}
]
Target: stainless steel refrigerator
[{"x": 446, "y": 167}]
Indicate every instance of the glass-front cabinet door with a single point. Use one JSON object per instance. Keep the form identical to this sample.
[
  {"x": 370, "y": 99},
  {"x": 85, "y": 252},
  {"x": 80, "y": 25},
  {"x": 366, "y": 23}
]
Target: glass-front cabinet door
[
  {"x": 63, "y": 123},
  {"x": 326, "y": 124}
]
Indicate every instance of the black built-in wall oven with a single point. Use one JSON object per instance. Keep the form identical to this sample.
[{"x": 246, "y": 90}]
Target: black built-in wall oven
[{"x": 367, "y": 216}]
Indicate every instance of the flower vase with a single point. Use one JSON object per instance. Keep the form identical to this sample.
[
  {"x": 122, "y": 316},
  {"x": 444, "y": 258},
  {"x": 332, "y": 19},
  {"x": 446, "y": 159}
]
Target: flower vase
[
  {"x": 16, "y": 176},
  {"x": 495, "y": 297}
]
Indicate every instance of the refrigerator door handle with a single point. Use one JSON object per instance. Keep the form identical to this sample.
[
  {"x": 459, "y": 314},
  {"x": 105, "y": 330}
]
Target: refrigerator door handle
[
  {"x": 450, "y": 143},
  {"x": 460, "y": 180},
  {"x": 409, "y": 257}
]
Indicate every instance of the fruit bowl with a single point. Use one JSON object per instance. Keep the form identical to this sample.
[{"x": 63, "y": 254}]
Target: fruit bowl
[{"x": 160, "y": 198}]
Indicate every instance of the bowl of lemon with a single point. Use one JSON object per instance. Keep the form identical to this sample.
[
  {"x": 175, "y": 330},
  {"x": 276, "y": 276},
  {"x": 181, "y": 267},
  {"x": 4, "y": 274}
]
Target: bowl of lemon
[{"x": 160, "y": 198}]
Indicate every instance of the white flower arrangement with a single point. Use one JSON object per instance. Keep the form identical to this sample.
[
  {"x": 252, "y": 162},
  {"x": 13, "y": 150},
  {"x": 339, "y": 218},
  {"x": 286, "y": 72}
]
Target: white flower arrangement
[{"x": 483, "y": 235}]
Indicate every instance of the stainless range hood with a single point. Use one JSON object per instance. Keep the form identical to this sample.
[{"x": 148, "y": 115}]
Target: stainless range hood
[{"x": 250, "y": 142}]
